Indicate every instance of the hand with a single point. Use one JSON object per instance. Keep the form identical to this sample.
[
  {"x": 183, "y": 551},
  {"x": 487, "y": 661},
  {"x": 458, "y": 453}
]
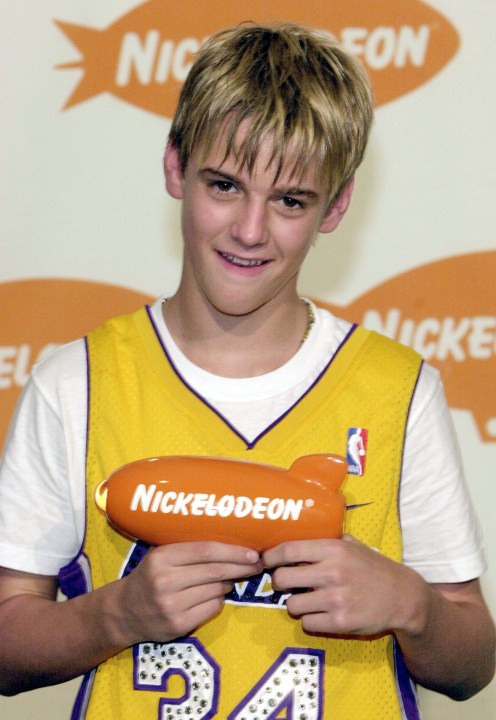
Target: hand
[
  {"x": 350, "y": 587},
  {"x": 177, "y": 587}
]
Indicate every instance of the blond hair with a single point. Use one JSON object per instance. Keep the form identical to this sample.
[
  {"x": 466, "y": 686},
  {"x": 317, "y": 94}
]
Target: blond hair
[{"x": 296, "y": 86}]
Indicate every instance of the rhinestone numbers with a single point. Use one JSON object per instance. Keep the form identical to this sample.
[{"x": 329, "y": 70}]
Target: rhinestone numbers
[
  {"x": 154, "y": 662},
  {"x": 291, "y": 685}
]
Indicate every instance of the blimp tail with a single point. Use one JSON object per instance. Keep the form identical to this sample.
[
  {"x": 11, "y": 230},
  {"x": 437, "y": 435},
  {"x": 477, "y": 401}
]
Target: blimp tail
[{"x": 327, "y": 470}]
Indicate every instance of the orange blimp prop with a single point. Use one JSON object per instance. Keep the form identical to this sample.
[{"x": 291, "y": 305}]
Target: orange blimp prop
[{"x": 181, "y": 498}]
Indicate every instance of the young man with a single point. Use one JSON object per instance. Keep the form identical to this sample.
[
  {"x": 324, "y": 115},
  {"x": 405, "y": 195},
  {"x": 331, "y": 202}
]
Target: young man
[{"x": 271, "y": 126}]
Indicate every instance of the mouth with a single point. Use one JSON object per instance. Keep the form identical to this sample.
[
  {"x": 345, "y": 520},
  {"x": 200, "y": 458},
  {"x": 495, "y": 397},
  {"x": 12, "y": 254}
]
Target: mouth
[{"x": 242, "y": 262}]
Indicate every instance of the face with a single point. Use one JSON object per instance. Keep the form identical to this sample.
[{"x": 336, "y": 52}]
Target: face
[{"x": 246, "y": 235}]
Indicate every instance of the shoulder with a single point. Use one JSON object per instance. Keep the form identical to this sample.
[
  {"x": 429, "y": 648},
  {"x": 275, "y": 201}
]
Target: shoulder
[
  {"x": 391, "y": 347},
  {"x": 383, "y": 358},
  {"x": 122, "y": 324},
  {"x": 62, "y": 373},
  {"x": 65, "y": 362}
]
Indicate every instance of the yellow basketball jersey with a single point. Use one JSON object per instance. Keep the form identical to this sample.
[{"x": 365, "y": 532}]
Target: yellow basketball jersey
[{"x": 252, "y": 662}]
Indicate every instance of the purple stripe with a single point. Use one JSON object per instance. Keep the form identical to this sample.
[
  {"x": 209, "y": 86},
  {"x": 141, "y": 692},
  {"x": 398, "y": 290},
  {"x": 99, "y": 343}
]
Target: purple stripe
[
  {"x": 249, "y": 445},
  {"x": 309, "y": 389},
  {"x": 88, "y": 388},
  {"x": 88, "y": 406},
  {"x": 406, "y": 688},
  {"x": 186, "y": 384},
  {"x": 82, "y": 699},
  {"x": 75, "y": 577}
]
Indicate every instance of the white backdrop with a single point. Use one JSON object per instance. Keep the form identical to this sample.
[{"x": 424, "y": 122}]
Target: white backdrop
[{"x": 83, "y": 203}]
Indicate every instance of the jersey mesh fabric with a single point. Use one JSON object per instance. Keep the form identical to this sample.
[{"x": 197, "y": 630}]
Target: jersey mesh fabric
[{"x": 140, "y": 408}]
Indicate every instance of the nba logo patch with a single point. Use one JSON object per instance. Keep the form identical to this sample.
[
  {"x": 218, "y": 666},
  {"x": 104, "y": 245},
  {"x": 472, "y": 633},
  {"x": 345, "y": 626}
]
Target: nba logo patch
[{"x": 356, "y": 450}]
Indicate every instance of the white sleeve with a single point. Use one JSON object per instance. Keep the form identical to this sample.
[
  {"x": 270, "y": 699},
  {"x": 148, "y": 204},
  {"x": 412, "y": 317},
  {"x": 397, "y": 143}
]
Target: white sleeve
[
  {"x": 42, "y": 471},
  {"x": 442, "y": 539}
]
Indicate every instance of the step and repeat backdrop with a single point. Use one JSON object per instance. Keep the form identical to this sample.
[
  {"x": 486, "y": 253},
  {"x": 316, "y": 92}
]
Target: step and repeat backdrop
[{"x": 87, "y": 230}]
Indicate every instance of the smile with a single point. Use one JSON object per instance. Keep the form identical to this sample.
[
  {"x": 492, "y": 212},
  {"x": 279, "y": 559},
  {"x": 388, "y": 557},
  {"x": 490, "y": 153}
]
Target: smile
[{"x": 242, "y": 262}]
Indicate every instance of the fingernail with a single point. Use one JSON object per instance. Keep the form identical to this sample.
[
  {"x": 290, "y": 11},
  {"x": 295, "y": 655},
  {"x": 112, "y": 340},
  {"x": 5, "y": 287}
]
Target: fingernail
[{"x": 252, "y": 556}]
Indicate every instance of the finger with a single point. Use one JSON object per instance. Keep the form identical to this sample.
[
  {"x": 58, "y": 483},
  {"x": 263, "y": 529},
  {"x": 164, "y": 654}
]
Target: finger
[
  {"x": 162, "y": 579},
  {"x": 323, "y": 623},
  {"x": 207, "y": 573},
  {"x": 317, "y": 601},
  {"x": 196, "y": 616},
  {"x": 302, "y": 551},
  {"x": 184, "y": 620},
  {"x": 182, "y": 554},
  {"x": 200, "y": 594},
  {"x": 305, "y": 576},
  {"x": 320, "y": 613}
]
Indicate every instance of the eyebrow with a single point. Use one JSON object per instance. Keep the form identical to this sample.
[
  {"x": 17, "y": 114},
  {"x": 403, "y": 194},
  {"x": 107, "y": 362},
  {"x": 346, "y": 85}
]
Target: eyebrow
[
  {"x": 293, "y": 190},
  {"x": 219, "y": 173}
]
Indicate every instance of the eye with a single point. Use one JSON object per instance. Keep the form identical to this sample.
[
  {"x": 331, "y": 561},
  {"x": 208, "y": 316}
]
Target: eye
[
  {"x": 223, "y": 186},
  {"x": 291, "y": 203}
]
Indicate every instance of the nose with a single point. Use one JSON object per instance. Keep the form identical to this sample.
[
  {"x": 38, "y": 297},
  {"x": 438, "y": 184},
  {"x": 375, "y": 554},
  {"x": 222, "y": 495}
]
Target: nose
[{"x": 250, "y": 224}]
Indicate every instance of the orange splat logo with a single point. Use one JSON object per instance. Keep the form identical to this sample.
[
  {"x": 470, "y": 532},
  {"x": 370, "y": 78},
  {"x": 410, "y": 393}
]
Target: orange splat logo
[
  {"x": 447, "y": 312},
  {"x": 63, "y": 310},
  {"x": 144, "y": 56}
]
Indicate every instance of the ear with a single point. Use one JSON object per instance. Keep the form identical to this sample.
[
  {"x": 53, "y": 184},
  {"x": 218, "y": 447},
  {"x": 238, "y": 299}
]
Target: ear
[
  {"x": 337, "y": 210},
  {"x": 173, "y": 173}
]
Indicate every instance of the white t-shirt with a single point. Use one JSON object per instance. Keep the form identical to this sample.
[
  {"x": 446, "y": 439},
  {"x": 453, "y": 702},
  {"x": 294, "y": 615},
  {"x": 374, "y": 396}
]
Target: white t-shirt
[{"x": 42, "y": 475}]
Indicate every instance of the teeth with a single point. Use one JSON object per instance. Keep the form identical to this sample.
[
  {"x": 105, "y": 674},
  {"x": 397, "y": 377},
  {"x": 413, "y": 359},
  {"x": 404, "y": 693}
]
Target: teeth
[{"x": 241, "y": 261}]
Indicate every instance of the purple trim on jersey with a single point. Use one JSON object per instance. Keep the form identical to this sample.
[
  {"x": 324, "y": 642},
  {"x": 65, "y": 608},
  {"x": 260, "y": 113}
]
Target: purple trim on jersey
[
  {"x": 407, "y": 694},
  {"x": 249, "y": 445},
  {"x": 75, "y": 577},
  {"x": 88, "y": 401},
  {"x": 186, "y": 384},
  {"x": 88, "y": 389},
  {"x": 406, "y": 689},
  {"x": 80, "y": 706},
  {"x": 308, "y": 390},
  {"x": 138, "y": 552}
]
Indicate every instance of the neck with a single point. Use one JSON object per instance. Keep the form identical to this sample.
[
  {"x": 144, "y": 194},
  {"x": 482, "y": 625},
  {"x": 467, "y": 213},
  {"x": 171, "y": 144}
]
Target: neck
[{"x": 238, "y": 346}]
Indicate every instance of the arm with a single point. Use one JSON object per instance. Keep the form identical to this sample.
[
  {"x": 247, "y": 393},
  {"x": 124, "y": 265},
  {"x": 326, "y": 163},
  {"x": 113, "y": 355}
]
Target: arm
[
  {"x": 456, "y": 628},
  {"x": 174, "y": 589},
  {"x": 445, "y": 632}
]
